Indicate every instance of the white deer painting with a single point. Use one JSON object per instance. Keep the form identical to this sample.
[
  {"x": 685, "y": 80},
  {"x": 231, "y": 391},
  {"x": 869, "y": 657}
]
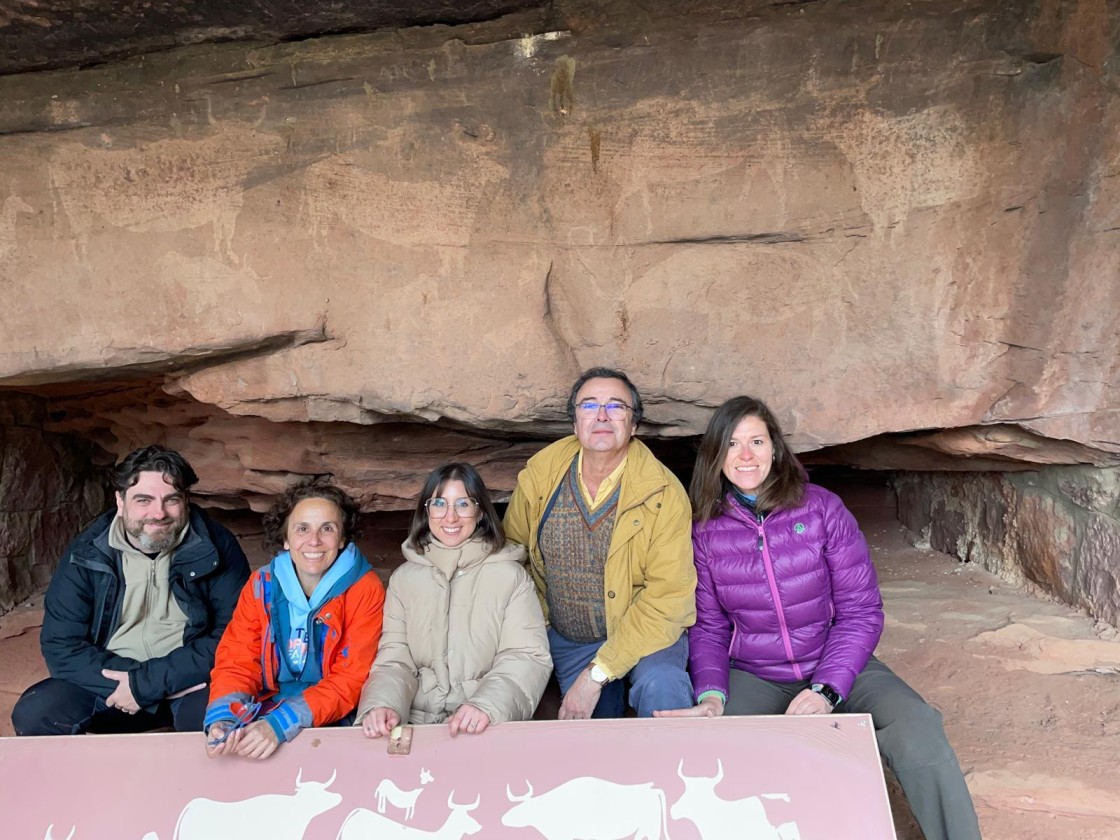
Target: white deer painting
[{"x": 362, "y": 824}]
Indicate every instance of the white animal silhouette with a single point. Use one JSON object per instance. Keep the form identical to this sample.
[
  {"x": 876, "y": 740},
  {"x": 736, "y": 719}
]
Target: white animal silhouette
[
  {"x": 426, "y": 778},
  {"x": 633, "y": 812},
  {"x": 404, "y": 799},
  {"x": 723, "y": 819},
  {"x": 277, "y": 816},
  {"x": 363, "y": 824}
]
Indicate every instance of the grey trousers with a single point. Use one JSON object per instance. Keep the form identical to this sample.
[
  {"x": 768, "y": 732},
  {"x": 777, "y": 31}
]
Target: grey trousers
[{"x": 911, "y": 740}]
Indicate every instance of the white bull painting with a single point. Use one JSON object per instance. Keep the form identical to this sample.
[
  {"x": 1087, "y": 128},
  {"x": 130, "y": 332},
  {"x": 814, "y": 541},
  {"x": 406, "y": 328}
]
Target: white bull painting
[
  {"x": 273, "y": 815},
  {"x": 589, "y": 807}
]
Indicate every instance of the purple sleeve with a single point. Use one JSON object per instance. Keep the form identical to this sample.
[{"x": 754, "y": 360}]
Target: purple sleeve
[
  {"x": 709, "y": 639},
  {"x": 858, "y": 606}
]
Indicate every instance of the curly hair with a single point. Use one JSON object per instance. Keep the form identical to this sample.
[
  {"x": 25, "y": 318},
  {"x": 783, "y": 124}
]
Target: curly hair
[
  {"x": 276, "y": 520},
  {"x": 154, "y": 458}
]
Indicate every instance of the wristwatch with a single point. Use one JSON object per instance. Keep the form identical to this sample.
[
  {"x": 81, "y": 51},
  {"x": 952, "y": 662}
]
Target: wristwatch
[
  {"x": 598, "y": 675},
  {"x": 828, "y": 693}
]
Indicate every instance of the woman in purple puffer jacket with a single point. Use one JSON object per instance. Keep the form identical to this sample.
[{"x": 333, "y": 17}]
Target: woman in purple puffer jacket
[{"x": 788, "y": 611}]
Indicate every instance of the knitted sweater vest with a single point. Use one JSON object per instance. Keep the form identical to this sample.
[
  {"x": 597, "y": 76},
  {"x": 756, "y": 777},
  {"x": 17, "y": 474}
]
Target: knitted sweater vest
[{"x": 574, "y": 541}]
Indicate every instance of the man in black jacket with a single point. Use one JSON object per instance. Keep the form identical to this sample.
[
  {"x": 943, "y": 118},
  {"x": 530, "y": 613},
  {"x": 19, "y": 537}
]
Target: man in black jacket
[{"x": 135, "y": 610}]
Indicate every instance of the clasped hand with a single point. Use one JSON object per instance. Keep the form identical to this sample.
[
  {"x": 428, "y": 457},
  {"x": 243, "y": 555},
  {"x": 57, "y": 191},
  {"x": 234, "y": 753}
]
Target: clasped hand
[
  {"x": 257, "y": 740},
  {"x": 121, "y": 698}
]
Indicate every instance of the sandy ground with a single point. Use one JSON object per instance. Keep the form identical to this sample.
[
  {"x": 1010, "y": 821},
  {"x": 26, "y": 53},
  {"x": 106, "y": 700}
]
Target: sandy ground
[{"x": 1030, "y": 689}]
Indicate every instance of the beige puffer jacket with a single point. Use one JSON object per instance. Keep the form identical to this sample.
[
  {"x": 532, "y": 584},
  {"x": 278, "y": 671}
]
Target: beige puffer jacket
[{"x": 478, "y": 637}]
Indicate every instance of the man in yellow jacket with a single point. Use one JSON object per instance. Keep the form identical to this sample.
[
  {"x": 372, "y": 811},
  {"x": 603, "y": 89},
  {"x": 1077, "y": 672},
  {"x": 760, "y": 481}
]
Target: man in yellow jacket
[{"x": 608, "y": 529}]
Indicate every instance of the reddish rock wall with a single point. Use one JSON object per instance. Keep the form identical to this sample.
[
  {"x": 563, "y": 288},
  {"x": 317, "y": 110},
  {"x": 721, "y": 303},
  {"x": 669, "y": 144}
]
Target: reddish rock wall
[
  {"x": 1058, "y": 528},
  {"x": 50, "y": 487}
]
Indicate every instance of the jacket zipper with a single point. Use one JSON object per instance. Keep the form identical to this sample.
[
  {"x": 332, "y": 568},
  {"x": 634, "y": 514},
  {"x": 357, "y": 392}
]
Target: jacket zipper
[
  {"x": 150, "y": 602},
  {"x": 769, "y": 566}
]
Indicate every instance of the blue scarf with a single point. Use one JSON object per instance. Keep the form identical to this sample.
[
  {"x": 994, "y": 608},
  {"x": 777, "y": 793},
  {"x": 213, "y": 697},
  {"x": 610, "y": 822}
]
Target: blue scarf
[
  {"x": 748, "y": 500},
  {"x": 300, "y": 665}
]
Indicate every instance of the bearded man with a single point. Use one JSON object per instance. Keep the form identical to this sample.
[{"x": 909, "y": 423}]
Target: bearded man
[{"x": 135, "y": 610}]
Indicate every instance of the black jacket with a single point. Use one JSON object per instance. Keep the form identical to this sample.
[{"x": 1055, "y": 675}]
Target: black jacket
[{"x": 82, "y": 610}]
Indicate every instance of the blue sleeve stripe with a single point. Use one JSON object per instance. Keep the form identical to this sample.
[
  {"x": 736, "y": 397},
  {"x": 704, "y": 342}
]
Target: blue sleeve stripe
[
  {"x": 285, "y": 721},
  {"x": 218, "y": 713}
]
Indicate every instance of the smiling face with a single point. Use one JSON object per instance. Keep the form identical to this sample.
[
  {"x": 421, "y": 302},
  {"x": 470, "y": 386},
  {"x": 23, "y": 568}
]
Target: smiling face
[
  {"x": 750, "y": 454},
  {"x": 313, "y": 536},
  {"x": 597, "y": 432},
  {"x": 452, "y": 529},
  {"x": 153, "y": 512}
]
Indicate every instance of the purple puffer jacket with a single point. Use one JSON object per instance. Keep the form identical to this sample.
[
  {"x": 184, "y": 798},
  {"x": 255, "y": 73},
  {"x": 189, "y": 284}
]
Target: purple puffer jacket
[{"x": 792, "y": 598}]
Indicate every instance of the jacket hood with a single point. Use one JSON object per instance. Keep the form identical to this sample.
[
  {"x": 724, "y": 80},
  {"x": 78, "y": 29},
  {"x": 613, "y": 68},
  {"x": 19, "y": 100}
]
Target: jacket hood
[{"x": 356, "y": 567}]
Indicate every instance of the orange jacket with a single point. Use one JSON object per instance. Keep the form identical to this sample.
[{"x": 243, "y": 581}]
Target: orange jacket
[{"x": 247, "y": 665}]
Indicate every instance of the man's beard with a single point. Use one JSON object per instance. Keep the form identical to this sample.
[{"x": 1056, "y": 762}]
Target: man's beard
[{"x": 149, "y": 542}]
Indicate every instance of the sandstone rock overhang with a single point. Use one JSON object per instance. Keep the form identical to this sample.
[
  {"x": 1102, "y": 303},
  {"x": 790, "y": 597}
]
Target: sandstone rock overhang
[{"x": 48, "y": 34}]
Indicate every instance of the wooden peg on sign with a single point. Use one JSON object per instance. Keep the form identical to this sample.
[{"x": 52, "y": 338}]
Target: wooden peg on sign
[{"x": 400, "y": 740}]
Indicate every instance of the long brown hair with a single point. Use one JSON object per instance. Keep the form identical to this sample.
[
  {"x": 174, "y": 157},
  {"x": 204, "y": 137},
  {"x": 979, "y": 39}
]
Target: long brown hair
[
  {"x": 488, "y": 527},
  {"x": 783, "y": 487}
]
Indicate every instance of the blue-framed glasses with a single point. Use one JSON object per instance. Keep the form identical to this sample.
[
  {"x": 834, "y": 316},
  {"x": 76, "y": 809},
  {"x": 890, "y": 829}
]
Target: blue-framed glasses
[{"x": 615, "y": 410}]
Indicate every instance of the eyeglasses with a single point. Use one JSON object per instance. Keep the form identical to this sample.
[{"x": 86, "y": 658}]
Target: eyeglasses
[
  {"x": 465, "y": 508},
  {"x": 615, "y": 410}
]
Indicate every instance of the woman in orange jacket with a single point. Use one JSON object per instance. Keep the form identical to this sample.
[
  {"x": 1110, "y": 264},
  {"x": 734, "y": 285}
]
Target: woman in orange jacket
[{"x": 304, "y": 633}]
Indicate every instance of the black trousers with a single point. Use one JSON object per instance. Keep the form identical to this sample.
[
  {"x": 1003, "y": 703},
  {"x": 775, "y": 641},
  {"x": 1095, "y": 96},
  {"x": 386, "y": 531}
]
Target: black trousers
[{"x": 58, "y": 707}]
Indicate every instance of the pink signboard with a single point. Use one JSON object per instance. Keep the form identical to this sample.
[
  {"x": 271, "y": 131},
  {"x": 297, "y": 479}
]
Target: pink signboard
[{"x": 762, "y": 778}]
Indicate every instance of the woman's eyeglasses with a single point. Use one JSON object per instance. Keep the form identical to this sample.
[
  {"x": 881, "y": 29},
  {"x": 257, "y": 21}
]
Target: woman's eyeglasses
[{"x": 464, "y": 508}]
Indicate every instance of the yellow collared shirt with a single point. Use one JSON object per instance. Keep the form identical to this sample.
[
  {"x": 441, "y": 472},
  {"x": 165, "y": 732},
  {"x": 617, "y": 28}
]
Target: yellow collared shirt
[{"x": 605, "y": 489}]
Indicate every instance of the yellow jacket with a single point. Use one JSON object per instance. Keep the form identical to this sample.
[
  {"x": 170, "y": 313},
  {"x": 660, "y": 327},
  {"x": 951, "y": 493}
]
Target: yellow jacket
[{"x": 649, "y": 582}]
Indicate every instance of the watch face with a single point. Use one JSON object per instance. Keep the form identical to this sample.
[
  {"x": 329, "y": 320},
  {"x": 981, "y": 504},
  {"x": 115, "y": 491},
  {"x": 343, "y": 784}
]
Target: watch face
[{"x": 828, "y": 693}]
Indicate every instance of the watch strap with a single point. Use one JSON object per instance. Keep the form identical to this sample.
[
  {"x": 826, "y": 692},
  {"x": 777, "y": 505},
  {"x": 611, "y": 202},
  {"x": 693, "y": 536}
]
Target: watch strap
[{"x": 829, "y": 693}]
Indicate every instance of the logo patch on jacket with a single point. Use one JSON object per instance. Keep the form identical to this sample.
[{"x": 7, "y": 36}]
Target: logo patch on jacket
[{"x": 799, "y": 528}]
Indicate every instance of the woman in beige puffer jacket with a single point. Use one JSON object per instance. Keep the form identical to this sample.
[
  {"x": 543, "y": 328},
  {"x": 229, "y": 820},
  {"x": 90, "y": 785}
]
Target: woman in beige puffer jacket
[{"x": 464, "y": 639}]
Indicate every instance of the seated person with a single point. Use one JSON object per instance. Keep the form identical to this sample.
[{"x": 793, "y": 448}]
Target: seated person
[
  {"x": 607, "y": 529},
  {"x": 312, "y": 617},
  {"x": 464, "y": 640},
  {"x": 788, "y": 611},
  {"x": 135, "y": 610}
]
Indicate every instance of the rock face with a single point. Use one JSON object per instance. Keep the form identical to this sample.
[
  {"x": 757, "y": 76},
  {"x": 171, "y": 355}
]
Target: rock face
[
  {"x": 1058, "y": 528},
  {"x": 39, "y": 34},
  {"x": 50, "y": 487},
  {"x": 881, "y": 219},
  {"x": 362, "y": 255}
]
